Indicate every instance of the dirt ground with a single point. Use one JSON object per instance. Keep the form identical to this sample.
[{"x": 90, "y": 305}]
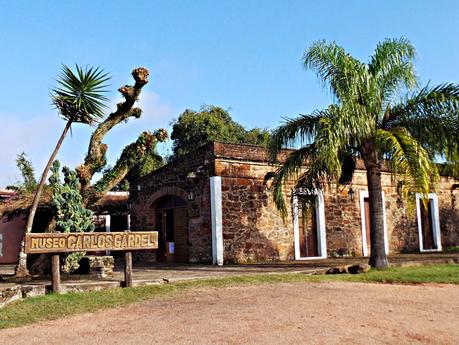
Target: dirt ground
[{"x": 299, "y": 313}]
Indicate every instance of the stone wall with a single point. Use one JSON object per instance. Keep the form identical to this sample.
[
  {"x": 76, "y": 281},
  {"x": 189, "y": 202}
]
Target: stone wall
[
  {"x": 449, "y": 212},
  {"x": 253, "y": 229},
  {"x": 190, "y": 173}
]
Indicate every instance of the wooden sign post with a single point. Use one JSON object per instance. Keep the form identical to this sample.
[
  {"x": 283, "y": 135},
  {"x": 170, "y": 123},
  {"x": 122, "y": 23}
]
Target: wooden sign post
[
  {"x": 56, "y": 243},
  {"x": 128, "y": 269},
  {"x": 56, "y": 273}
]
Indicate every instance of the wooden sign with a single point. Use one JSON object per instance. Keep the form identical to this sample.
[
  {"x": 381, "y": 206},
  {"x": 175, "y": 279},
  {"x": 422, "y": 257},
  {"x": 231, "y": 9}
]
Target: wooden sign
[{"x": 38, "y": 243}]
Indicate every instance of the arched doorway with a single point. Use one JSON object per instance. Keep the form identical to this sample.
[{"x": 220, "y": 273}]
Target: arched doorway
[{"x": 172, "y": 226}]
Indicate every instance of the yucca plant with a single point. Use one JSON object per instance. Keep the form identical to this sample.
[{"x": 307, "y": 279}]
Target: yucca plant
[
  {"x": 379, "y": 115},
  {"x": 79, "y": 98}
]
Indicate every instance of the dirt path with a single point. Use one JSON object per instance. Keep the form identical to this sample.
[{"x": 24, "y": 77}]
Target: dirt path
[{"x": 302, "y": 313}]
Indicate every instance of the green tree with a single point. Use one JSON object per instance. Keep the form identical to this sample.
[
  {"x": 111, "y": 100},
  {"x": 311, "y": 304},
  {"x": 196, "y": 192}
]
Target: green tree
[
  {"x": 28, "y": 183},
  {"x": 379, "y": 115},
  {"x": 68, "y": 209},
  {"x": 196, "y": 128},
  {"x": 79, "y": 98},
  {"x": 136, "y": 160}
]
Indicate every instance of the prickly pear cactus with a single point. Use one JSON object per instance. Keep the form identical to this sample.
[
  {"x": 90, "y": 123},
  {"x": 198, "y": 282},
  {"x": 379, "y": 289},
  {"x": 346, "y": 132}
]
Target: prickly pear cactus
[{"x": 68, "y": 210}]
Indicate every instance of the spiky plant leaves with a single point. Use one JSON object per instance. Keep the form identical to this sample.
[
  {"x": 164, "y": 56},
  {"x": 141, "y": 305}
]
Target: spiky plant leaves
[{"x": 79, "y": 96}]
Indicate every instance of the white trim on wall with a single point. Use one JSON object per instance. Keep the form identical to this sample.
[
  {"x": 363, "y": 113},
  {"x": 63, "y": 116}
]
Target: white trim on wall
[
  {"x": 108, "y": 220},
  {"x": 216, "y": 215},
  {"x": 107, "y": 223},
  {"x": 321, "y": 231},
  {"x": 363, "y": 195},
  {"x": 435, "y": 222}
]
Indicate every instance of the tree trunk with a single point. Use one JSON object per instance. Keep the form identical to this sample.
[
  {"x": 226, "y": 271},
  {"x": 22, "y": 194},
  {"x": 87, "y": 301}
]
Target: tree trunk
[
  {"x": 378, "y": 258},
  {"x": 21, "y": 269},
  {"x": 95, "y": 159}
]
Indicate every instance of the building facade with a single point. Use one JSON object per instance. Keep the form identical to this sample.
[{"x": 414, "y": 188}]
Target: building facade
[{"x": 214, "y": 205}]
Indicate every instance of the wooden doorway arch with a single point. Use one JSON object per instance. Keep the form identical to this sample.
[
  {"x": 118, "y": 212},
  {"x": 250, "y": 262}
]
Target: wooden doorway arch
[{"x": 171, "y": 222}]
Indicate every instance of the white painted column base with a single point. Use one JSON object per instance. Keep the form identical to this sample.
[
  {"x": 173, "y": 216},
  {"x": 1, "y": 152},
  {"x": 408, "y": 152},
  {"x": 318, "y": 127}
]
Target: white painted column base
[{"x": 216, "y": 215}]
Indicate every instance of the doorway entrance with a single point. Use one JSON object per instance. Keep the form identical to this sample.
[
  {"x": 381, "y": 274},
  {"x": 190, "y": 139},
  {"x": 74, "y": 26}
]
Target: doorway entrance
[
  {"x": 172, "y": 226},
  {"x": 428, "y": 223},
  {"x": 365, "y": 216},
  {"x": 309, "y": 225}
]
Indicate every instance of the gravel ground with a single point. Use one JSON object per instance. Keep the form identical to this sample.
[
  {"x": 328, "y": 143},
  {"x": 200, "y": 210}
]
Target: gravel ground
[{"x": 299, "y": 313}]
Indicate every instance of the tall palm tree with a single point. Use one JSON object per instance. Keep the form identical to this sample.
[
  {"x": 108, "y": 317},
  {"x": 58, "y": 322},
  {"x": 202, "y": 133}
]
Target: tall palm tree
[
  {"x": 379, "y": 114},
  {"x": 79, "y": 98}
]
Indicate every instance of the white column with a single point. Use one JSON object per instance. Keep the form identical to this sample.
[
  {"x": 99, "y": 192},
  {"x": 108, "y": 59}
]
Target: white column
[
  {"x": 296, "y": 228},
  {"x": 107, "y": 223},
  {"x": 107, "y": 228},
  {"x": 320, "y": 220},
  {"x": 216, "y": 215},
  {"x": 436, "y": 221}
]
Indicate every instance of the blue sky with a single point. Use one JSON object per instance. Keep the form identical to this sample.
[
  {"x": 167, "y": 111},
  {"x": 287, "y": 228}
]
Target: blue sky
[{"x": 241, "y": 55}]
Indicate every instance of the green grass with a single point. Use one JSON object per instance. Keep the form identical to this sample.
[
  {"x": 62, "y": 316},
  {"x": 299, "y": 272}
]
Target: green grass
[{"x": 51, "y": 307}]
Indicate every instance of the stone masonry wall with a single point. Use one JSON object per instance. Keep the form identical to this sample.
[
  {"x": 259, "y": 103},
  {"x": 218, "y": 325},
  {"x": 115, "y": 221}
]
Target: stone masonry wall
[
  {"x": 175, "y": 179},
  {"x": 253, "y": 229}
]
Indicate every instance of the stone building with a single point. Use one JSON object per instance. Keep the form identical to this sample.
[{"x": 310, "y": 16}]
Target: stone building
[{"x": 214, "y": 205}]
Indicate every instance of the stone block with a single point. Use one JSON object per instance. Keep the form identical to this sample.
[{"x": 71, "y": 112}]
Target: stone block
[
  {"x": 100, "y": 266},
  {"x": 33, "y": 290},
  {"x": 337, "y": 270},
  {"x": 10, "y": 294},
  {"x": 359, "y": 268}
]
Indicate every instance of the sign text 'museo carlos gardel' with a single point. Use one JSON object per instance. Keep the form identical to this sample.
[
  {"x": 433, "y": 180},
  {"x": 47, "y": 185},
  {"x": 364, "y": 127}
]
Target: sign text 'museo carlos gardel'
[{"x": 90, "y": 241}]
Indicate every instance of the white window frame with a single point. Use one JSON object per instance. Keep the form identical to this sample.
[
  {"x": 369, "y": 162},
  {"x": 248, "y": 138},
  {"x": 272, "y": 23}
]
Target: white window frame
[
  {"x": 364, "y": 194},
  {"x": 320, "y": 223},
  {"x": 435, "y": 222}
]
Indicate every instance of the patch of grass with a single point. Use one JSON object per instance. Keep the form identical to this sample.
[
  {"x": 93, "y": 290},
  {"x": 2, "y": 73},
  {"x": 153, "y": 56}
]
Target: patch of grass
[
  {"x": 439, "y": 274},
  {"x": 452, "y": 250},
  {"x": 52, "y": 307}
]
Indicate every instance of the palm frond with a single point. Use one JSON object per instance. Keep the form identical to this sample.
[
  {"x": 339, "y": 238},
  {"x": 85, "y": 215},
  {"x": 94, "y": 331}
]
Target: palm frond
[
  {"x": 432, "y": 117},
  {"x": 394, "y": 53},
  {"x": 290, "y": 168},
  {"x": 80, "y": 96},
  {"x": 392, "y": 70},
  {"x": 322, "y": 159},
  {"x": 409, "y": 160},
  {"x": 294, "y": 131},
  {"x": 345, "y": 75}
]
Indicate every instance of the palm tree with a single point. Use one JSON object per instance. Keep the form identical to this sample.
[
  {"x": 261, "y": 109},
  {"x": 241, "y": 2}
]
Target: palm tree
[
  {"x": 79, "y": 99},
  {"x": 380, "y": 115}
]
